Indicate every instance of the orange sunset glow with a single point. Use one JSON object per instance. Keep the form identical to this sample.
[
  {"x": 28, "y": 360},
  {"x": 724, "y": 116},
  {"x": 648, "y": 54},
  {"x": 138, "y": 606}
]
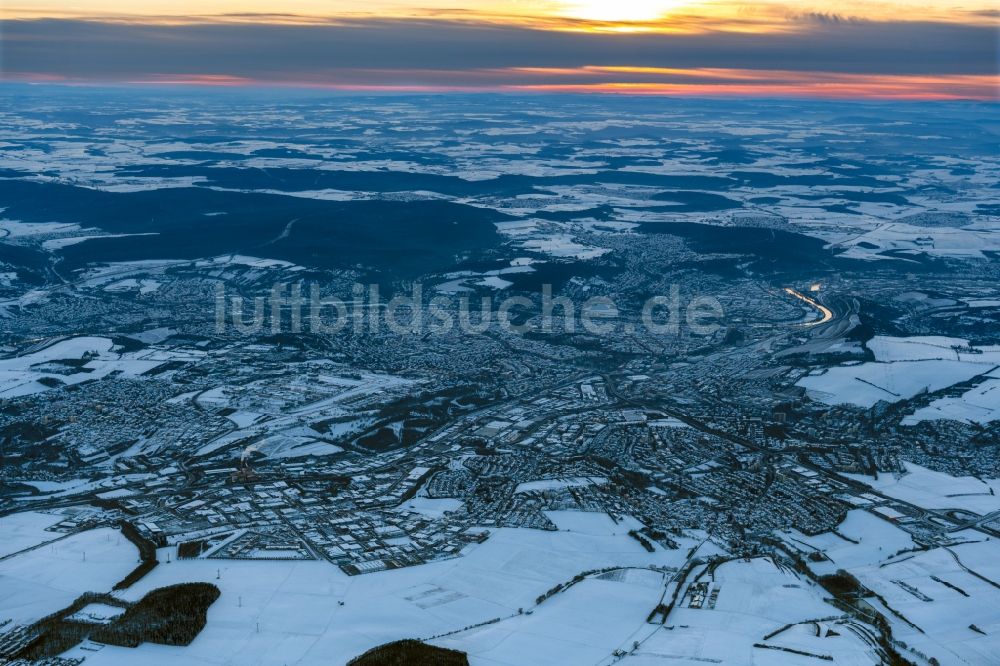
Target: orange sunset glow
[{"x": 896, "y": 49}]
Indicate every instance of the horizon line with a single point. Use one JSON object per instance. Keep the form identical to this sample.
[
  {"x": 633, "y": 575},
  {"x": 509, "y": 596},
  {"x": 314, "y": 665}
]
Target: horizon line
[{"x": 819, "y": 92}]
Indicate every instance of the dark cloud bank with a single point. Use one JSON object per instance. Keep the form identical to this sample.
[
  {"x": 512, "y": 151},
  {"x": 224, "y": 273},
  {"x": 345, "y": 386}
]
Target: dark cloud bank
[{"x": 405, "y": 48}]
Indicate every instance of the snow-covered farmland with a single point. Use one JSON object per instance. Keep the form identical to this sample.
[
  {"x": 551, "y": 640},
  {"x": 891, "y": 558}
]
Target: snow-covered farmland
[
  {"x": 48, "y": 578},
  {"x": 290, "y": 612},
  {"x": 904, "y": 367},
  {"x": 97, "y": 613},
  {"x": 431, "y": 507},
  {"x": 76, "y": 360},
  {"x": 755, "y": 599},
  {"x": 980, "y": 404},
  {"x": 937, "y": 490},
  {"x": 560, "y": 484},
  {"x": 942, "y": 601},
  {"x": 908, "y": 239},
  {"x": 26, "y": 529},
  {"x": 868, "y": 383},
  {"x": 583, "y": 625},
  {"x": 939, "y": 601},
  {"x": 916, "y": 348},
  {"x": 864, "y": 539}
]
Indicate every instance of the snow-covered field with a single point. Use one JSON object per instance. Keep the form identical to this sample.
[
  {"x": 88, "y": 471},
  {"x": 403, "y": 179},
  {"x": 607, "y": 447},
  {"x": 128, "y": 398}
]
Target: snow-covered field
[
  {"x": 583, "y": 625},
  {"x": 916, "y": 348},
  {"x": 755, "y": 598},
  {"x": 76, "y": 360},
  {"x": 939, "y": 601},
  {"x": 869, "y": 540},
  {"x": 592, "y": 523},
  {"x": 433, "y": 508},
  {"x": 936, "y": 490},
  {"x": 559, "y": 484},
  {"x": 46, "y": 579},
  {"x": 933, "y": 591},
  {"x": 289, "y": 612},
  {"x": 905, "y": 367},
  {"x": 27, "y": 529},
  {"x": 865, "y": 384},
  {"x": 485, "y": 602},
  {"x": 980, "y": 404},
  {"x": 944, "y": 242},
  {"x": 97, "y": 613}
]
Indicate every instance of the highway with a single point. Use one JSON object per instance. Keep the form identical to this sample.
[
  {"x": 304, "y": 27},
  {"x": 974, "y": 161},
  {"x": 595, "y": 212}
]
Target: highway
[{"x": 825, "y": 312}]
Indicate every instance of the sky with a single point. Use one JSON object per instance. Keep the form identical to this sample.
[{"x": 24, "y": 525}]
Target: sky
[{"x": 892, "y": 49}]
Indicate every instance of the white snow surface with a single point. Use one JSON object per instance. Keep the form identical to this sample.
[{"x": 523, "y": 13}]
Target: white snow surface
[
  {"x": 46, "y": 579},
  {"x": 26, "y": 529},
  {"x": 295, "y": 604},
  {"x": 866, "y": 384},
  {"x": 937, "y": 490}
]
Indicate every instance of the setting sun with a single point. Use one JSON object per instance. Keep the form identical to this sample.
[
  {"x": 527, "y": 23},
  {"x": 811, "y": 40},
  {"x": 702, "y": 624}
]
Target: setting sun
[
  {"x": 620, "y": 11},
  {"x": 891, "y": 49}
]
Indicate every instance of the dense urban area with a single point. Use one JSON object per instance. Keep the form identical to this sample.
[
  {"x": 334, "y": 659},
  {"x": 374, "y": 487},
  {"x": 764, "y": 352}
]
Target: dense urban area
[{"x": 708, "y": 365}]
